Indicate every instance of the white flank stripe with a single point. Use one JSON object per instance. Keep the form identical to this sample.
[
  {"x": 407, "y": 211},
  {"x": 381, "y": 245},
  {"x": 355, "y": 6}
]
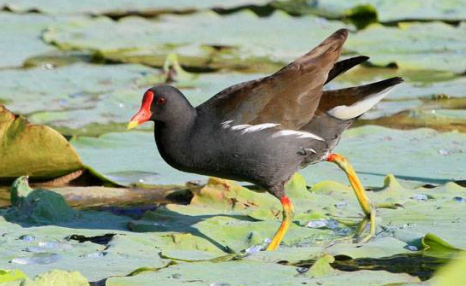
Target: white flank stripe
[
  {"x": 299, "y": 134},
  {"x": 259, "y": 127},
  {"x": 346, "y": 112},
  {"x": 247, "y": 128},
  {"x": 226, "y": 124}
]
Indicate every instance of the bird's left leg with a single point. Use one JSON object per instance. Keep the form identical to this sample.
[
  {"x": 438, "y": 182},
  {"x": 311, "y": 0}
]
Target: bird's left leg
[
  {"x": 288, "y": 213},
  {"x": 367, "y": 207}
]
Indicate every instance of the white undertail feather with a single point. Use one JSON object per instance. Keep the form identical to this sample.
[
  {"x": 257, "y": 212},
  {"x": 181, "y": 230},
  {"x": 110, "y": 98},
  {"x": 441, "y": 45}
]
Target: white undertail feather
[
  {"x": 247, "y": 128},
  {"x": 346, "y": 112}
]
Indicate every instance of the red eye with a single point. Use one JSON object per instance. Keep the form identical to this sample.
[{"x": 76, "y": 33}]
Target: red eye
[{"x": 161, "y": 101}]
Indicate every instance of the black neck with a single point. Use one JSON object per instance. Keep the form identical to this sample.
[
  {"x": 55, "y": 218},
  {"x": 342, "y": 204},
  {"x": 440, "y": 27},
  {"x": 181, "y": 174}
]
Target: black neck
[{"x": 172, "y": 138}]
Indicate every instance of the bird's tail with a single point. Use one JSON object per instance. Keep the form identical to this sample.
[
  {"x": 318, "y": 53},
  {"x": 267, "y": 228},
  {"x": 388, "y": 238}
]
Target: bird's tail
[{"x": 352, "y": 102}]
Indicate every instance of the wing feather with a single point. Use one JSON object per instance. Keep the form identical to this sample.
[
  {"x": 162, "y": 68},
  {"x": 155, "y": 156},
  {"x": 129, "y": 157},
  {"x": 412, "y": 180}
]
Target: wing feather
[{"x": 289, "y": 97}]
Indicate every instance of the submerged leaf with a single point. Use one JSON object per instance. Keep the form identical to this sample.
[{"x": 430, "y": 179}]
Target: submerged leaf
[{"x": 37, "y": 206}]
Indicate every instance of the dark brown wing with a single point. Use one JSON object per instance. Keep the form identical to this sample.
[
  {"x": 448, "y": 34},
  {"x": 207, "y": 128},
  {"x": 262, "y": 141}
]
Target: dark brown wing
[{"x": 289, "y": 97}]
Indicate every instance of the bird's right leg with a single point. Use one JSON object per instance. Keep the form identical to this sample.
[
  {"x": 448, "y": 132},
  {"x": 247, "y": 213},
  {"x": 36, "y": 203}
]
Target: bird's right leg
[{"x": 288, "y": 213}]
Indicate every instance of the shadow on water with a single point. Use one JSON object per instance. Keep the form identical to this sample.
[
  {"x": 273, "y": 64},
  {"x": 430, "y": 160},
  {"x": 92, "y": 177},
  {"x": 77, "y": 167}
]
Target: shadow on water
[
  {"x": 411, "y": 178},
  {"x": 46, "y": 208},
  {"x": 413, "y": 264}
]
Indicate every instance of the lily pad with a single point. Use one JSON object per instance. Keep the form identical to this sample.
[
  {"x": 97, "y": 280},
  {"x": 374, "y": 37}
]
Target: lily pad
[
  {"x": 383, "y": 11},
  {"x": 452, "y": 274},
  {"x": 414, "y": 48},
  {"x": 11, "y": 275},
  {"x": 34, "y": 150},
  {"x": 422, "y": 156},
  {"x": 111, "y": 110},
  {"x": 69, "y": 88},
  {"x": 123, "y": 7},
  {"x": 21, "y": 38},
  {"x": 438, "y": 119},
  {"x": 239, "y": 273},
  {"x": 196, "y": 38},
  {"x": 54, "y": 278},
  {"x": 52, "y": 241}
]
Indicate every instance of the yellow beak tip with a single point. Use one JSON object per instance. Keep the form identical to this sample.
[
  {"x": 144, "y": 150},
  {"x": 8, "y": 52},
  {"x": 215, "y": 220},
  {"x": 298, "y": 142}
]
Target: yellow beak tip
[{"x": 132, "y": 124}]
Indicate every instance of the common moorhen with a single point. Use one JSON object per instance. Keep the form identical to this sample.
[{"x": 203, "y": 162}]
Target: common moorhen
[{"x": 263, "y": 131}]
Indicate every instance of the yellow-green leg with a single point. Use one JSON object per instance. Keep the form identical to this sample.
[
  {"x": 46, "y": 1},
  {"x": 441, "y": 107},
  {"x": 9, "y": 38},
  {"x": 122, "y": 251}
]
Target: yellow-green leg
[
  {"x": 367, "y": 207},
  {"x": 288, "y": 213}
]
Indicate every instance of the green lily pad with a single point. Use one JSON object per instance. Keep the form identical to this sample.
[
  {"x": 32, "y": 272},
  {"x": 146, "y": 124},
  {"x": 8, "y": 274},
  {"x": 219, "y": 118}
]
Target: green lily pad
[
  {"x": 196, "y": 38},
  {"x": 452, "y": 274},
  {"x": 34, "y": 150},
  {"x": 92, "y": 99},
  {"x": 69, "y": 88},
  {"x": 54, "y": 278},
  {"x": 239, "y": 273},
  {"x": 11, "y": 275},
  {"x": 422, "y": 155},
  {"x": 21, "y": 38},
  {"x": 438, "y": 119},
  {"x": 376, "y": 248},
  {"x": 437, "y": 247},
  {"x": 122, "y": 7},
  {"x": 397, "y": 10},
  {"x": 50, "y": 243},
  {"x": 111, "y": 111},
  {"x": 427, "y": 46},
  {"x": 212, "y": 224}
]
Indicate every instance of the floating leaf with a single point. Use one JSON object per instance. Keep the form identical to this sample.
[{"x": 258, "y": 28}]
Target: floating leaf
[
  {"x": 452, "y": 274},
  {"x": 243, "y": 38},
  {"x": 395, "y": 10},
  {"x": 56, "y": 278},
  {"x": 123, "y": 7},
  {"x": 34, "y": 150},
  {"x": 414, "y": 46},
  {"x": 239, "y": 273},
  {"x": 11, "y": 275},
  {"x": 437, "y": 247},
  {"x": 21, "y": 40},
  {"x": 376, "y": 248},
  {"x": 75, "y": 87}
]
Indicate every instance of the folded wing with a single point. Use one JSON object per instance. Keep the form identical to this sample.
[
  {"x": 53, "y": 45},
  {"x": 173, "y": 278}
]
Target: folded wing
[{"x": 289, "y": 97}]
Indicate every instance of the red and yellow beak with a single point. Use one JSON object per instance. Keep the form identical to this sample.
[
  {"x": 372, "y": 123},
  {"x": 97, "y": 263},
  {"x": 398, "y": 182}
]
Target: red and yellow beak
[{"x": 144, "y": 114}]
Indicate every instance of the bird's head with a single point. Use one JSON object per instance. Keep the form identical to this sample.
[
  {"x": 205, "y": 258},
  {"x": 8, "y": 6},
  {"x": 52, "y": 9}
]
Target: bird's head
[{"x": 160, "y": 103}]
